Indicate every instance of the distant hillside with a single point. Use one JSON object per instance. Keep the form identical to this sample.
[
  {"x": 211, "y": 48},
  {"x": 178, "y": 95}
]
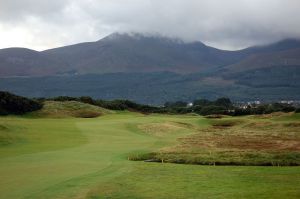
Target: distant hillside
[
  {"x": 274, "y": 65},
  {"x": 139, "y": 53},
  {"x": 26, "y": 62},
  {"x": 282, "y": 45},
  {"x": 158, "y": 88},
  {"x": 284, "y": 53},
  {"x": 154, "y": 69}
]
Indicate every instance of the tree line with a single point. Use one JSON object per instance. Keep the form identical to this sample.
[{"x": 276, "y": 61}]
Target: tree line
[
  {"x": 13, "y": 104},
  {"x": 223, "y": 106}
]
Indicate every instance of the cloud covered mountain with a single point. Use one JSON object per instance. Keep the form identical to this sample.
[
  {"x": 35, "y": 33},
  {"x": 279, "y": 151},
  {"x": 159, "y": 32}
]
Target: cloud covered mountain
[{"x": 181, "y": 70}]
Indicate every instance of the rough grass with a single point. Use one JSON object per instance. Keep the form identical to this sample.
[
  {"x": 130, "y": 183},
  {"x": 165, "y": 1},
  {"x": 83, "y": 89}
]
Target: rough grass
[
  {"x": 225, "y": 123},
  {"x": 56, "y": 109},
  {"x": 234, "y": 141},
  {"x": 161, "y": 129},
  {"x": 292, "y": 124}
]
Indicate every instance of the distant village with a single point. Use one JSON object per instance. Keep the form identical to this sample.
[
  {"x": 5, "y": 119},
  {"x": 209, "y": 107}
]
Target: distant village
[{"x": 244, "y": 105}]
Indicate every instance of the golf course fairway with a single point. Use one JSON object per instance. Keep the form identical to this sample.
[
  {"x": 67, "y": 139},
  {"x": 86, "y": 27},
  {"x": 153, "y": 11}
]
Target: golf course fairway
[{"x": 43, "y": 158}]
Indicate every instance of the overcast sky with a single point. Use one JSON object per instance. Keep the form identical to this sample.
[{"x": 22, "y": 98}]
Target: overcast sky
[{"x": 226, "y": 24}]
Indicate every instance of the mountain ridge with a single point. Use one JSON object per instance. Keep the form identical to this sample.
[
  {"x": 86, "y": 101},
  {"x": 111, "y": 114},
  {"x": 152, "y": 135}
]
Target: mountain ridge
[
  {"x": 130, "y": 53},
  {"x": 153, "y": 70}
]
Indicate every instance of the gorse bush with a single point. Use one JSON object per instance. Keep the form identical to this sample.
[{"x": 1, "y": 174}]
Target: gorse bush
[
  {"x": 212, "y": 109},
  {"x": 13, "y": 104}
]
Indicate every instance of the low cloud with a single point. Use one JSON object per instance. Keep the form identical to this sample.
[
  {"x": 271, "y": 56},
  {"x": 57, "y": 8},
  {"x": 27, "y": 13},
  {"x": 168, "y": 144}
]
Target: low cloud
[{"x": 231, "y": 24}]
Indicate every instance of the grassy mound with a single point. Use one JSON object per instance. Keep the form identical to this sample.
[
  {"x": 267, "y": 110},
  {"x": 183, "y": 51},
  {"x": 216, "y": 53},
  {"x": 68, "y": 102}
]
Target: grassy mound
[
  {"x": 56, "y": 109},
  {"x": 268, "y": 141}
]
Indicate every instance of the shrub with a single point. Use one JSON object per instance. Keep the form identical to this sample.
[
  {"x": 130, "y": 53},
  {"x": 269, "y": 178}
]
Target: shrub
[
  {"x": 13, "y": 104},
  {"x": 240, "y": 111},
  {"x": 210, "y": 110},
  {"x": 225, "y": 102}
]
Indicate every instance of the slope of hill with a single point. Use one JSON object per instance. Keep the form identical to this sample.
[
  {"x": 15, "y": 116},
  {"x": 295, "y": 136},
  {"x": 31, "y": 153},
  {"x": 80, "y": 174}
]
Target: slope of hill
[
  {"x": 139, "y": 53},
  {"x": 274, "y": 65},
  {"x": 26, "y": 62},
  {"x": 283, "y": 53},
  {"x": 155, "y": 88},
  {"x": 117, "y": 53},
  {"x": 282, "y": 45}
]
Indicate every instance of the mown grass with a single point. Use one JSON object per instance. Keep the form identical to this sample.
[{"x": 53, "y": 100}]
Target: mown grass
[
  {"x": 88, "y": 158},
  {"x": 25, "y": 136},
  {"x": 152, "y": 180}
]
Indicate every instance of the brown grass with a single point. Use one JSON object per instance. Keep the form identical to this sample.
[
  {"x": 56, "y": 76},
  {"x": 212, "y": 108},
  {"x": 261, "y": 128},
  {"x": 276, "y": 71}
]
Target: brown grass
[
  {"x": 160, "y": 129},
  {"x": 257, "y": 143},
  {"x": 246, "y": 138},
  {"x": 292, "y": 124},
  {"x": 238, "y": 142}
]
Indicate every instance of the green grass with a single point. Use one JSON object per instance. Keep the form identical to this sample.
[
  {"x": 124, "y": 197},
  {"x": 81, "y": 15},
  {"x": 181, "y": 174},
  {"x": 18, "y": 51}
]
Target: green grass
[
  {"x": 25, "y": 136},
  {"x": 154, "y": 180},
  {"x": 88, "y": 158}
]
